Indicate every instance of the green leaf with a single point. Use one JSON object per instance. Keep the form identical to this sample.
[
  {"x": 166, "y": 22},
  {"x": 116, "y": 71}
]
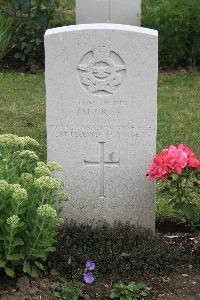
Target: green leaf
[
  {"x": 189, "y": 211},
  {"x": 10, "y": 272},
  {"x": 27, "y": 267},
  {"x": 50, "y": 249},
  {"x": 141, "y": 285},
  {"x": 39, "y": 265},
  {"x": 18, "y": 242},
  {"x": 2, "y": 263},
  {"x": 34, "y": 272},
  {"x": 37, "y": 255},
  {"x": 177, "y": 206},
  {"x": 14, "y": 257},
  {"x": 113, "y": 295},
  {"x": 6, "y": 25}
]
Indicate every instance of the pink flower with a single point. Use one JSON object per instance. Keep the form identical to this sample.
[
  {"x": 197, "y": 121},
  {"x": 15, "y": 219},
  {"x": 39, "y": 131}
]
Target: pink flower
[
  {"x": 187, "y": 150},
  {"x": 157, "y": 170},
  {"x": 175, "y": 159},
  {"x": 194, "y": 163},
  {"x": 172, "y": 160}
]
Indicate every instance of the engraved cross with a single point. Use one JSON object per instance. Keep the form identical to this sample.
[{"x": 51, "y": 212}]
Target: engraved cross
[{"x": 102, "y": 163}]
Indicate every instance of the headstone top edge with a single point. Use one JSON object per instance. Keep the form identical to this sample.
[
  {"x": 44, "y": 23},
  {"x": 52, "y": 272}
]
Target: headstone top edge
[{"x": 101, "y": 26}]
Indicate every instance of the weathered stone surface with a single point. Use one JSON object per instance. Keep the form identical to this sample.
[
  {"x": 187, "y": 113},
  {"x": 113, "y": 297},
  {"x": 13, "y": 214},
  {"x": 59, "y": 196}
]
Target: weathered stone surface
[
  {"x": 108, "y": 11},
  {"x": 101, "y": 83}
]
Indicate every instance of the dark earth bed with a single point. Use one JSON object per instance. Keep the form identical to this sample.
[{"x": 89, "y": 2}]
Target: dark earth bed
[{"x": 184, "y": 283}]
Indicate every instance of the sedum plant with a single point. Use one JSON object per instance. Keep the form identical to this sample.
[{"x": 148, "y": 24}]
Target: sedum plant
[{"x": 29, "y": 218}]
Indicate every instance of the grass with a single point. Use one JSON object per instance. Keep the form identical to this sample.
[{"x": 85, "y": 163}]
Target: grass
[
  {"x": 179, "y": 111},
  {"x": 22, "y": 106},
  {"x": 22, "y": 112}
]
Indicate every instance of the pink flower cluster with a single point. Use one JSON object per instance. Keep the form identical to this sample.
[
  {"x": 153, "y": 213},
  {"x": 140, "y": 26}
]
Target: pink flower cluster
[{"x": 172, "y": 160}]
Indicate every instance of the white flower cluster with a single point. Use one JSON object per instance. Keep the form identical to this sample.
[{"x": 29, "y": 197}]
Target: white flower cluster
[
  {"x": 26, "y": 177},
  {"x": 63, "y": 196},
  {"x": 42, "y": 170},
  {"x": 45, "y": 169},
  {"x": 18, "y": 193},
  {"x": 28, "y": 155},
  {"x": 49, "y": 183},
  {"x": 29, "y": 142},
  {"x": 13, "y": 221},
  {"x": 47, "y": 211},
  {"x": 13, "y": 141},
  {"x": 9, "y": 140},
  {"x": 54, "y": 166},
  {"x": 3, "y": 185}
]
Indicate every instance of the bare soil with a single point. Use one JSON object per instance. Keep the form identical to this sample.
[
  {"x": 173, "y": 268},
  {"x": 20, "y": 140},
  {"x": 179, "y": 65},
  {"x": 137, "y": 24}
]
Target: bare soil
[{"x": 184, "y": 285}]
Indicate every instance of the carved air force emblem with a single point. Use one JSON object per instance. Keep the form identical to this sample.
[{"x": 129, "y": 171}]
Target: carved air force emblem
[{"x": 101, "y": 71}]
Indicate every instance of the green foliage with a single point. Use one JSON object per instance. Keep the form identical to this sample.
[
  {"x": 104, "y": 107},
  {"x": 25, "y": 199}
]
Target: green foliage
[
  {"x": 28, "y": 192},
  {"x": 31, "y": 18},
  {"x": 65, "y": 13},
  {"x": 130, "y": 291},
  {"x": 69, "y": 291},
  {"x": 178, "y": 23},
  {"x": 183, "y": 192},
  {"x": 164, "y": 209},
  {"x": 6, "y": 28},
  {"x": 120, "y": 250}
]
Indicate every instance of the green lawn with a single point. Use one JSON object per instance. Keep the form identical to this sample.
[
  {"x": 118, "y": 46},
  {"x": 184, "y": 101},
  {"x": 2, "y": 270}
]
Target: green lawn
[
  {"x": 22, "y": 111},
  {"x": 179, "y": 111},
  {"x": 22, "y": 106}
]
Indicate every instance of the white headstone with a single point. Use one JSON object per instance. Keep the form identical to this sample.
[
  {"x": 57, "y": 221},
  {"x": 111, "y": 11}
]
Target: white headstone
[
  {"x": 108, "y": 11},
  {"x": 101, "y": 83}
]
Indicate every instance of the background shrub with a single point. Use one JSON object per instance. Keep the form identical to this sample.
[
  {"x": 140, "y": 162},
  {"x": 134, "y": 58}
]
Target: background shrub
[
  {"x": 31, "y": 18},
  {"x": 6, "y": 28},
  {"x": 178, "y": 23}
]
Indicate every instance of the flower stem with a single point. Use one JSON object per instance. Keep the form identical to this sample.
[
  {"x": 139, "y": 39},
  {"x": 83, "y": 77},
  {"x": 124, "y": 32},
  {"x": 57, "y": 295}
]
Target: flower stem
[
  {"x": 10, "y": 243},
  {"x": 38, "y": 236}
]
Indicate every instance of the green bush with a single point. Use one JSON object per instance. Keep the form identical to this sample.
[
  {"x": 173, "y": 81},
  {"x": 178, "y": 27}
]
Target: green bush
[
  {"x": 6, "y": 28},
  {"x": 31, "y": 18},
  {"x": 28, "y": 192},
  {"x": 178, "y": 23},
  {"x": 130, "y": 291}
]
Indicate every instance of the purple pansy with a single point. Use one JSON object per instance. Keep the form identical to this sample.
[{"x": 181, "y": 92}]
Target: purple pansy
[
  {"x": 90, "y": 265},
  {"x": 88, "y": 277}
]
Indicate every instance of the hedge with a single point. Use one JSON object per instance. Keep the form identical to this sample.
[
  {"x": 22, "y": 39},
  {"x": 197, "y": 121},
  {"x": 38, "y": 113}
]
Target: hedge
[{"x": 178, "y": 23}]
